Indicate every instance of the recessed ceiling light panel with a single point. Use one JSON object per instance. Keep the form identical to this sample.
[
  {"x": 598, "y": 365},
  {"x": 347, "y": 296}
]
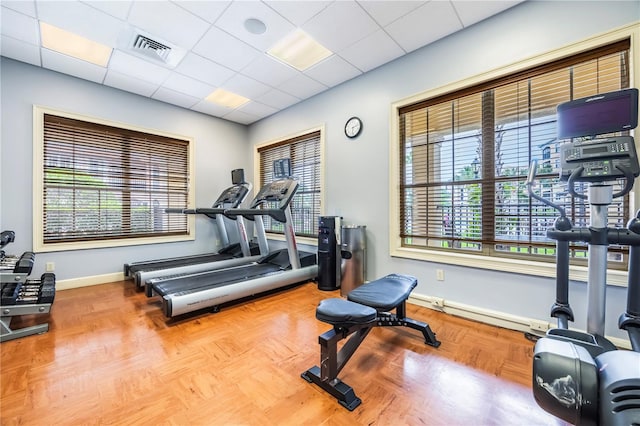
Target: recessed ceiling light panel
[
  {"x": 299, "y": 50},
  {"x": 227, "y": 99},
  {"x": 71, "y": 44}
]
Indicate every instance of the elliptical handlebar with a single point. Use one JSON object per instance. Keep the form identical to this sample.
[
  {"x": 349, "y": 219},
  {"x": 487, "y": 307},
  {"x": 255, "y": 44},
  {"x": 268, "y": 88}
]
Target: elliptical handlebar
[
  {"x": 628, "y": 186},
  {"x": 571, "y": 183},
  {"x": 529, "y": 183},
  {"x": 629, "y": 178}
]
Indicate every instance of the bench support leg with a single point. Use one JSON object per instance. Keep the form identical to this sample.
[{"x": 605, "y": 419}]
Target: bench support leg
[
  {"x": 399, "y": 319},
  {"x": 332, "y": 361}
]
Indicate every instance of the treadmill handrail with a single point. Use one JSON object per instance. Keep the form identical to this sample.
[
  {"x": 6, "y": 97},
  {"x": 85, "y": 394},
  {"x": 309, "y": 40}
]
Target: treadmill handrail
[
  {"x": 239, "y": 192},
  {"x": 179, "y": 210},
  {"x": 276, "y": 214}
]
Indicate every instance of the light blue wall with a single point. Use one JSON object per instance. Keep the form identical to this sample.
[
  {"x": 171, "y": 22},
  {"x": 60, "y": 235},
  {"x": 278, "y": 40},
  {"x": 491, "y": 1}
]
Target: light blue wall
[
  {"x": 357, "y": 171},
  {"x": 219, "y": 147}
]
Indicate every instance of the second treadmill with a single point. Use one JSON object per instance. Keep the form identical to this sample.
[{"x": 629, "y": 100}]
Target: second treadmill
[
  {"x": 230, "y": 255},
  {"x": 191, "y": 292}
]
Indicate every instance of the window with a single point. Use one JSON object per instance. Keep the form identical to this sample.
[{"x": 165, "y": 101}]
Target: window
[
  {"x": 304, "y": 151},
  {"x": 464, "y": 158},
  {"x": 100, "y": 183}
]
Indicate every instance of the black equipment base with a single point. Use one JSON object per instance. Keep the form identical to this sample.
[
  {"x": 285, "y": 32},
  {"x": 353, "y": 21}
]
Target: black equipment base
[
  {"x": 338, "y": 389},
  {"x": 354, "y": 321}
]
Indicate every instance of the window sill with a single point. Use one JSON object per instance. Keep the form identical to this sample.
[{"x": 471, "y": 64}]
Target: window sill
[
  {"x": 540, "y": 269},
  {"x": 39, "y": 247}
]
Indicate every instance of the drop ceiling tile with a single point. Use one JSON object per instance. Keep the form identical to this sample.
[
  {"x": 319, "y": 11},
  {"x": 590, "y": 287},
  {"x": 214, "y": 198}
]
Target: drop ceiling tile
[
  {"x": 333, "y": 71},
  {"x": 257, "y": 109},
  {"x": 210, "y": 108},
  {"x": 372, "y": 51},
  {"x": 19, "y": 50},
  {"x": 385, "y": 12},
  {"x": 169, "y": 22},
  {"x": 118, "y": 9},
  {"x": 207, "y": 10},
  {"x": 202, "y": 69},
  {"x": 75, "y": 67},
  {"x": 129, "y": 84},
  {"x": 471, "y": 12},
  {"x": 232, "y": 21},
  {"x": 269, "y": 71},
  {"x": 83, "y": 20},
  {"x": 340, "y": 25},
  {"x": 175, "y": 98},
  {"x": 187, "y": 85},
  {"x": 224, "y": 49},
  {"x": 26, "y": 7},
  {"x": 240, "y": 117},
  {"x": 424, "y": 25},
  {"x": 351, "y": 29},
  {"x": 302, "y": 86},
  {"x": 19, "y": 26},
  {"x": 298, "y": 12},
  {"x": 277, "y": 99},
  {"x": 245, "y": 86},
  {"x": 138, "y": 68}
]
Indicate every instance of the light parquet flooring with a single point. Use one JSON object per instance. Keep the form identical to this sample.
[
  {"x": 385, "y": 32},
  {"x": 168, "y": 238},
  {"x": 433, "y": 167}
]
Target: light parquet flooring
[{"x": 111, "y": 357}]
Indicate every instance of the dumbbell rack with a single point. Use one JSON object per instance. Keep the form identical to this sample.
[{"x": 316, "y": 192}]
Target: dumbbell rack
[{"x": 22, "y": 296}]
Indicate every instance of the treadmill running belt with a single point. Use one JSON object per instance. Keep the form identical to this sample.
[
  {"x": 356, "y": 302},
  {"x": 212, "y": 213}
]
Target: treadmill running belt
[
  {"x": 173, "y": 263},
  {"x": 198, "y": 282}
]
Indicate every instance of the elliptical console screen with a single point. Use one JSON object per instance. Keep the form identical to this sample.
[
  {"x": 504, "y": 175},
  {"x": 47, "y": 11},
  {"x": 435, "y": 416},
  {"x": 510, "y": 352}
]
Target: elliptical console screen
[
  {"x": 598, "y": 114},
  {"x": 600, "y": 159}
]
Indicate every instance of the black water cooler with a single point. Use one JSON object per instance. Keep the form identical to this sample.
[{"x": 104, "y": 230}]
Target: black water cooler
[{"x": 329, "y": 257}]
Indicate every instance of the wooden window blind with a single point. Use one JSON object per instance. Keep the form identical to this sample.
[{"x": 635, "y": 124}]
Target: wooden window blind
[
  {"x": 464, "y": 159},
  {"x": 103, "y": 182},
  {"x": 304, "y": 153}
]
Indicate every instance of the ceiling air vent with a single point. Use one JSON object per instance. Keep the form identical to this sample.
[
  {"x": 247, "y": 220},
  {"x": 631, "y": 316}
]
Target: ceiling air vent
[{"x": 151, "y": 48}]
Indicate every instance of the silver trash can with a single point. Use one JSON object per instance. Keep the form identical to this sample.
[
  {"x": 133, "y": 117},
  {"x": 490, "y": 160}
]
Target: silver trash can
[{"x": 354, "y": 255}]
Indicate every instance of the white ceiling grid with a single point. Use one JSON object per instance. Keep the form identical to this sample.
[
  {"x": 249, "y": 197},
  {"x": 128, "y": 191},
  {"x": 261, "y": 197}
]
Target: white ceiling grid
[{"x": 220, "y": 53}]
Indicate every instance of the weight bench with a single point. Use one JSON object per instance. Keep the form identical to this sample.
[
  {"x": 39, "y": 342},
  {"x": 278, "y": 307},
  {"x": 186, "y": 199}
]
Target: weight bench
[{"x": 368, "y": 306}]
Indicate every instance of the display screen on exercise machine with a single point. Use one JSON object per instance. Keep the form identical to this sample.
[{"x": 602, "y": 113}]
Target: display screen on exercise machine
[
  {"x": 598, "y": 114},
  {"x": 282, "y": 168}
]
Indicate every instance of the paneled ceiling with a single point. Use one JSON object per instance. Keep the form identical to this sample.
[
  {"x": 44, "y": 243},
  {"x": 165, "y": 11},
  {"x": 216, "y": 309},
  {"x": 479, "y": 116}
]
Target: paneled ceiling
[{"x": 215, "y": 50}]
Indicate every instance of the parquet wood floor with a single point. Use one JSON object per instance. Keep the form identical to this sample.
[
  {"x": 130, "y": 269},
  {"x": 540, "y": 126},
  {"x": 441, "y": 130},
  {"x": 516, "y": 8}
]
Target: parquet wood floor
[{"x": 110, "y": 357}]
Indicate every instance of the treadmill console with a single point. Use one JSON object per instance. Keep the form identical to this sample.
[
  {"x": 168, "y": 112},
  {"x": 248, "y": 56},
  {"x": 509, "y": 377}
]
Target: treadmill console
[
  {"x": 280, "y": 191},
  {"x": 601, "y": 159},
  {"x": 232, "y": 195}
]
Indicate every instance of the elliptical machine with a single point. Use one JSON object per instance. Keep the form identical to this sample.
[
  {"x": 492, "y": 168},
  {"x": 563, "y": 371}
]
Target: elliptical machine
[{"x": 581, "y": 377}]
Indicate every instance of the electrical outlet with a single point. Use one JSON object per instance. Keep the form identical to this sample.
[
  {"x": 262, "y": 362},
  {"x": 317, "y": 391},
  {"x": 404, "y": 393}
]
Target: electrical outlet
[
  {"x": 438, "y": 302},
  {"x": 51, "y": 266},
  {"x": 440, "y": 274}
]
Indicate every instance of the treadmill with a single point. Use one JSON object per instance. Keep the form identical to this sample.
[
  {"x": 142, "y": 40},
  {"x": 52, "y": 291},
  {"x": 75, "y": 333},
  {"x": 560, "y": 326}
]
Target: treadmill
[
  {"x": 230, "y": 255},
  {"x": 191, "y": 292}
]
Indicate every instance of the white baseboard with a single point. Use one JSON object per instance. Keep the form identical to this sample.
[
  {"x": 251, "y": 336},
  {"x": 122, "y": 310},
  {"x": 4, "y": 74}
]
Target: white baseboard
[
  {"x": 496, "y": 318},
  {"x": 89, "y": 281}
]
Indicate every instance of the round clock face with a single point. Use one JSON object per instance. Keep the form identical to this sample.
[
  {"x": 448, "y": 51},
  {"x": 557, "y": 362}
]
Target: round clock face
[{"x": 353, "y": 127}]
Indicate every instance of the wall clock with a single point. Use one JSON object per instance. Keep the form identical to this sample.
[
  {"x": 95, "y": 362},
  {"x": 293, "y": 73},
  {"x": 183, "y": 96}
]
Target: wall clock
[{"x": 353, "y": 127}]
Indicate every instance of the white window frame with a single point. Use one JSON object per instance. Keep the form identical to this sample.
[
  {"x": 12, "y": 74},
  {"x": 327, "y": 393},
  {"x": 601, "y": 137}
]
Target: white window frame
[
  {"x": 544, "y": 269},
  {"x": 256, "y": 174},
  {"x": 38, "y": 187}
]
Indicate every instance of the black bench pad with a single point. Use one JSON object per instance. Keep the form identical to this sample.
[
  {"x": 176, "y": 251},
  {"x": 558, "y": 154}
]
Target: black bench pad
[
  {"x": 385, "y": 293},
  {"x": 342, "y": 312}
]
